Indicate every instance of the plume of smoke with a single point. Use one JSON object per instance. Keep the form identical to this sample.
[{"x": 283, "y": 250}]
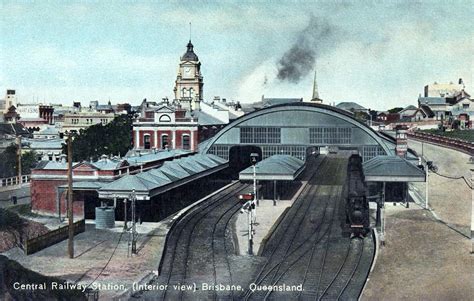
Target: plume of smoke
[{"x": 318, "y": 36}]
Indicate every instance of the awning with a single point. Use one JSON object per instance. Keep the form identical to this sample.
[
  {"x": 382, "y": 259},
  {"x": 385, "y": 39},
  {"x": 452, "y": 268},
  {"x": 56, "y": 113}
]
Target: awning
[
  {"x": 392, "y": 169},
  {"x": 170, "y": 175},
  {"x": 277, "y": 167}
]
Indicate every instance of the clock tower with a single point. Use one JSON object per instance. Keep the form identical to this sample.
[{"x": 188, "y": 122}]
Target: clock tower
[{"x": 188, "y": 88}]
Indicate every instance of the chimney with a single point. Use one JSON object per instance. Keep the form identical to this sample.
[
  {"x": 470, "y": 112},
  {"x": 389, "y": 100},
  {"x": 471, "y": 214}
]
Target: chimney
[{"x": 401, "y": 146}]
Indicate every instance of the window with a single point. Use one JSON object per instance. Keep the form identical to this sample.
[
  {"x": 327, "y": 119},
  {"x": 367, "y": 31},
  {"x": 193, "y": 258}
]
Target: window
[
  {"x": 191, "y": 92},
  {"x": 292, "y": 150},
  {"x": 370, "y": 151},
  {"x": 165, "y": 118},
  {"x": 465, "y": 106},
  {"x": 183, "y": 92},
  {"x": 260, "y": 135},
  {"x": 146, "y": 142},
  {"x": 330, "y": 135},
  {"x": 220, "y": 150},
  {"x": 164, "y": 141},
  {"x": 186, "y": 142}
]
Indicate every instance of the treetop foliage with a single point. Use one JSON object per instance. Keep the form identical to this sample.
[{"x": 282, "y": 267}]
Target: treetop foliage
[{"x": 114, "y": 138}]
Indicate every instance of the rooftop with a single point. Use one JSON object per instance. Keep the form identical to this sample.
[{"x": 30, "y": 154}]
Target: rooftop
[
  {"x": 392, "y": 169},
  {"x": 432, "y": 100},
  {"x": 167, "y": 176},
  {"x": 277, "y": 167}
]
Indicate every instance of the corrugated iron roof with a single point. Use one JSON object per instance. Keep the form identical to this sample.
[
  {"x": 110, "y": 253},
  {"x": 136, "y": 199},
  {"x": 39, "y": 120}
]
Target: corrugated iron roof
[
  {"x": 169, "y": 172},
  {"x": 392, "y": 169},
  {"x": 277, "y": 167}
]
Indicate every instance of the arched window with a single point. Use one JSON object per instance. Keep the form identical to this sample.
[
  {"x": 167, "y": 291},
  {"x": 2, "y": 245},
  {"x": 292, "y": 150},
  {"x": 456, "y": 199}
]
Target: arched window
[
  {"x": 186, "y": 142},
  {"x": 165, "y": 118},
  {"x": 191, "y": 92},
  {"x": 146, "y": 141},
  {"x": 164, "y": 141},
  {"x": 183, "y": 92}
]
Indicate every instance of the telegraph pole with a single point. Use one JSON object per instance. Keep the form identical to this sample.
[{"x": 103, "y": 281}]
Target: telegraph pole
[
  {"x": 125, "y": 214},
  {"x": 253, "y": 160},
  {"x": 134, "y": 226},
  {"x": 70, "y": 243},
  {"x": 19, "y": 158}
]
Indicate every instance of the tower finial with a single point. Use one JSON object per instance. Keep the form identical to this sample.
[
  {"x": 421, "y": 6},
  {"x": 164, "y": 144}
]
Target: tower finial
[{"x": 189, "y": 31}]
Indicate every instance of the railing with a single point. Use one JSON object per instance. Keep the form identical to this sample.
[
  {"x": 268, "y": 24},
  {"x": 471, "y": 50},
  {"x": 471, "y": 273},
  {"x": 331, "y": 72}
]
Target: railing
[
  {"x": 13, "y": 181},
  {"x": 453, "y": 143},
  {"x": 43, "y": 241}
]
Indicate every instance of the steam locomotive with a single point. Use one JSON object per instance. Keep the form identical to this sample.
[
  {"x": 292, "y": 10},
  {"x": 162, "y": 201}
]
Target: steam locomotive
[{"x": 357, "y": 205}]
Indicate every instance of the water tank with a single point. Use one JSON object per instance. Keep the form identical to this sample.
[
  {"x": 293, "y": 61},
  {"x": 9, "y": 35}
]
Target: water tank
[{"x": 104, "y": 217}]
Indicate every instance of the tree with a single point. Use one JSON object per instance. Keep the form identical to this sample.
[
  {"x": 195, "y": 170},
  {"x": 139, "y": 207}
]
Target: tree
[
  {"x": 395, "y": 110},
  {"x": 362, "y": 116},
  {"x": 111, "y": 139},
  {"x": 28, "y": 161},
  {"x": 9, "y": 162}
]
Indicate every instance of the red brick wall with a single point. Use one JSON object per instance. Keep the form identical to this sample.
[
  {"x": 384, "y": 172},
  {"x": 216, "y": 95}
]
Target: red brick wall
[
  {"x": 170, "y": 138},
  {"x": 195, "y": 140},
  {"x": 179, "y": 138},
  {"x": 43, "y": 198},
  {"x": 77, "y": 205},
  {"x": 43, "y": 195},
  {"x": 142, "y": 139}
]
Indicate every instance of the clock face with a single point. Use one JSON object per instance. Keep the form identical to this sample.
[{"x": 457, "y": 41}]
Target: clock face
[{"x": 187, "y": 70}]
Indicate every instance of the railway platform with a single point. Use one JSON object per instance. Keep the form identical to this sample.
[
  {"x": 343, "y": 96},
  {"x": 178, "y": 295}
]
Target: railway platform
[{"x": 424, "y": 259}]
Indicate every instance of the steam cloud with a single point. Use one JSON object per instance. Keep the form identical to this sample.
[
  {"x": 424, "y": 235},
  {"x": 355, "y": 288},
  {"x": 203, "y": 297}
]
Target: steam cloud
[{"x": 319, "y": 36}]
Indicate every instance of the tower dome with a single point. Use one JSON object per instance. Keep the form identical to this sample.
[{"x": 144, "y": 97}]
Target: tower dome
[{"x": 190, "y": 55}]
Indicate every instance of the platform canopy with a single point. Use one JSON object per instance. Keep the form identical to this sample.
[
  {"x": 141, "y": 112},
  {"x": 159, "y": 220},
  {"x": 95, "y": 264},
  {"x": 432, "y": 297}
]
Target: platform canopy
[
  {"x": 392, "y": 169},
  {"x": 277, "y": 167},
  {"x": 170, "y": 175}
]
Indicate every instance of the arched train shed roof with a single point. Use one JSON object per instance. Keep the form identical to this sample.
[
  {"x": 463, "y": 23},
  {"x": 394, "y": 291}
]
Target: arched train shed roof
[{"x": 307, "y": 107}]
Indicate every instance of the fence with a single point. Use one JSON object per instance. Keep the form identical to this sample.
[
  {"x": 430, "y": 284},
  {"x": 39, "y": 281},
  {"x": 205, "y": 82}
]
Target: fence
[
  {"x": 43, "y": 241},
  {"x": 14, "y": 181},
  {"x": 453, "y": 143}
]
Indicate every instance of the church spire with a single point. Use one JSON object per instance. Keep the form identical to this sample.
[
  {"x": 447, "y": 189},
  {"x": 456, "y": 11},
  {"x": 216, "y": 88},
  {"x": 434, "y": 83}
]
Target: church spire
[{"x": 315, "y": 87}]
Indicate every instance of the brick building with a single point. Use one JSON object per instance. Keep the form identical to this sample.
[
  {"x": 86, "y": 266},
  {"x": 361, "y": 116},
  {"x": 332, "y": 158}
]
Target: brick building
[
  {"x": 165, "y": 127},
  {"x": 49, "y": 179}
]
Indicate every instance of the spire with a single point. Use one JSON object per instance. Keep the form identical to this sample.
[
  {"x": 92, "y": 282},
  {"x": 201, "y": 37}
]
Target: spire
[{"x": 315, "y": 87}]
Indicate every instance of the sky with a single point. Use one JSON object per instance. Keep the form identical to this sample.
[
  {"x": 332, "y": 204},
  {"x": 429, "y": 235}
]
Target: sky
[{"x": 379, "y": 54}]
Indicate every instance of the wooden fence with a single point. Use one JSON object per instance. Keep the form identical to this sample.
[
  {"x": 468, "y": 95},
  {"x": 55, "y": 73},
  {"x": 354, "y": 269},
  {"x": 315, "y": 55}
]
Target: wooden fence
[{"x": 43, "y": 241}]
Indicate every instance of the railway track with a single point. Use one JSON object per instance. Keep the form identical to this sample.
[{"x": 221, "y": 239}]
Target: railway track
[
  {"x": 308, "y": 248},
  {"x": 190, "y": 249}
]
